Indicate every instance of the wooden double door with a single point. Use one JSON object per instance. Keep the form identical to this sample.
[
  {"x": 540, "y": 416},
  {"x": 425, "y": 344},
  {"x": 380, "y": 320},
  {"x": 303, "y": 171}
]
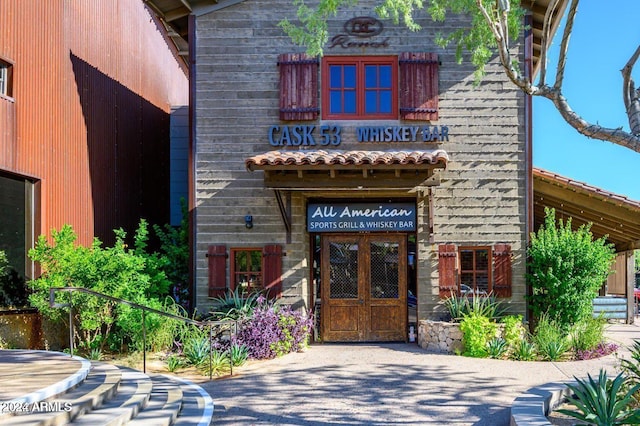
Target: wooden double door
[{"x": 364, "y": 287}]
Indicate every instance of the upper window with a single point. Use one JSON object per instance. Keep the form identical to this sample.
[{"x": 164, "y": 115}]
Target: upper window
[
  {"x": 6, "y": 79},
  {"x": 361, "y": 87}
]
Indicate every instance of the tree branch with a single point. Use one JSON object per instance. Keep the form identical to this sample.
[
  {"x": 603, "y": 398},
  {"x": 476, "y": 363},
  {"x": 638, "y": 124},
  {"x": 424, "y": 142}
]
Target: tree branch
[
  {"x": 594, "y": 131},
  {"x": 564, "y": 45},
  {"x": 630, "y": 94},
  {"x": 546, "y": 38}
]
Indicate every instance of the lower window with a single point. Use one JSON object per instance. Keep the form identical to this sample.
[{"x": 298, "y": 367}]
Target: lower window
[
  {"x": 246, "y": 272},
  {"x": 475, "y": 270}
]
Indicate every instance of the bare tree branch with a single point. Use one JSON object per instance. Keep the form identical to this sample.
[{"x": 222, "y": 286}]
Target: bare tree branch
[
  {"x": 564, "y": 45},
  {"x": 546, "y": 39},
  {"x": 630, "y": 95}
]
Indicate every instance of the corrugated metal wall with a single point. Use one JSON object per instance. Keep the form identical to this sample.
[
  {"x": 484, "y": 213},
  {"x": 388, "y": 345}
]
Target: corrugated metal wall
[{"x": 94, "y": 82}]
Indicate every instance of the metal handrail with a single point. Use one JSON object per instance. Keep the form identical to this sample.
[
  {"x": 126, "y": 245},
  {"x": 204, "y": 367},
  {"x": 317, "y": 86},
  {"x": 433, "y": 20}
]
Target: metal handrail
[{"x": 226, "y": 325}]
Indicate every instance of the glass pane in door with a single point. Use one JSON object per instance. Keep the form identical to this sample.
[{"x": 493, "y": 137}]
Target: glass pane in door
[
  {"x": 384, "y": 270},
  {"x": 343, "y": 270}
]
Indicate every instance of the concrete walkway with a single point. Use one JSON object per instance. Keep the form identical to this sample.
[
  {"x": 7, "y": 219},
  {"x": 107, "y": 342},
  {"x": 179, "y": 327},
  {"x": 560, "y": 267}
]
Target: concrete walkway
[{"x": 388, "y": 384}]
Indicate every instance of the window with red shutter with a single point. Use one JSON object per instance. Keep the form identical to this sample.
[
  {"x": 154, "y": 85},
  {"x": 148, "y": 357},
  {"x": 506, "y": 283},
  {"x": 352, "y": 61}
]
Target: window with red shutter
[
  {"x": 447, "y": 263},
  {"x": 217, "y": 259},
  {"x": 502, "y": 270},
  {"x": 246, "y": 270},
  {"x": 272, "y": 270},
  {"x": 418, "y": 86},
  {"x": 359, "y": 87},
  {"x": 298, "y": 87},
  {"x": 475, "y": 271}
]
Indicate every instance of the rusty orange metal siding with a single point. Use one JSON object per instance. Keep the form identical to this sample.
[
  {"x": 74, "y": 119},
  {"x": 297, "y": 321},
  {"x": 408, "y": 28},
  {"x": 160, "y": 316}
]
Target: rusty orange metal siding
[{"x": 94, "y": 82}]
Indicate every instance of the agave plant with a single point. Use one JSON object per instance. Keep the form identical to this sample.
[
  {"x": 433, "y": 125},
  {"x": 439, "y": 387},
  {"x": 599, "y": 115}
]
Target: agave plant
[
  {"x": 219, "y": 363},
  {"x": 238, "y": 354},
  {"x": 196, "y": 350},
  {"x": 497, "y": 348},
  {"x": 603, "y": 402},
  {"x": 235, "y": 305},
  {"x": 524, "y": 351}
]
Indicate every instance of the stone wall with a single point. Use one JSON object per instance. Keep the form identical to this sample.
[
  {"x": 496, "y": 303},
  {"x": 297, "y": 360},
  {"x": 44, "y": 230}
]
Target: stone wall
[{"x": 439, "y": 336}]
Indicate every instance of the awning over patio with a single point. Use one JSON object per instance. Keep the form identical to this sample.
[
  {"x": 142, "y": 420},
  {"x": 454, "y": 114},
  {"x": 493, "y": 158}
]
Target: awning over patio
[{"x": 611, "y": 214}]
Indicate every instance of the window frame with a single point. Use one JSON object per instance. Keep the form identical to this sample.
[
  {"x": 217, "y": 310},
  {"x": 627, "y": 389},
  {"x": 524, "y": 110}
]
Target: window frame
[
  {"x": 6, "y": 78},
  {"x": 360, "y": 62},
  {"x": 474, "y": 271},
  {"x": 234, "y": 273}
]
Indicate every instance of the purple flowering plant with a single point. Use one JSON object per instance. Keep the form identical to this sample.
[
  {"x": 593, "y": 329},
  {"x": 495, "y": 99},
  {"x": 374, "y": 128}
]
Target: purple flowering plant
[{"x": 273, "y": 330}]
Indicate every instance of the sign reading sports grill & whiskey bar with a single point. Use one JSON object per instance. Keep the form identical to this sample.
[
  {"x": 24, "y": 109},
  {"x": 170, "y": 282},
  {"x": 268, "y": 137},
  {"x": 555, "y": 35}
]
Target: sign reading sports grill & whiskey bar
[
  {"x": 325, "y": 135},
  {"x": 356, "y": 217}
]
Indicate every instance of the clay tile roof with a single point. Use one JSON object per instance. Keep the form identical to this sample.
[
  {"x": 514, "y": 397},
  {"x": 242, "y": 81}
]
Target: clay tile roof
[
  {"x": 585, "y": 187},
  {"x": 281, "y": 159}
]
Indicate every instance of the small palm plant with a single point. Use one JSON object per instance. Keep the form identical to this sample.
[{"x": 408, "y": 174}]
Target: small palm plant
[{"x": 603, "y": 402}]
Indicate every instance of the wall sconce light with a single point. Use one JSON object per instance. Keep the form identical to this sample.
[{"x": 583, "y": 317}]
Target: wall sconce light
[{"x": 248, "y": 221}]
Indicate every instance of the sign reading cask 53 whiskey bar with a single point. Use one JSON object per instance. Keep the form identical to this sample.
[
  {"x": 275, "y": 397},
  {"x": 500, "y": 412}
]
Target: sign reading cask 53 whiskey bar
[{"x": 358, "y": 217}]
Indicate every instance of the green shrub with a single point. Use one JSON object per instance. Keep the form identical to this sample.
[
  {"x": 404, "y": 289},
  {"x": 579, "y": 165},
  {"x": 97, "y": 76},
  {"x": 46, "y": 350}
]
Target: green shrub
[
  {"x": 118, "y": 271},
  {"x": 477, "y": 331},
  {"x": 514, "y": 330},
  {"x": 567, "y": 268},
  {"x": 604, "y": 402}
]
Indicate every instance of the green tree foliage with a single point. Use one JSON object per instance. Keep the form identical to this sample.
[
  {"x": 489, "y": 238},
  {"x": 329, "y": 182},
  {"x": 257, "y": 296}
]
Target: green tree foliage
[
  {"x": 566, "y": 270},
  {"x": 118, "y": 271},
  {"x": 477, "y": 39}
]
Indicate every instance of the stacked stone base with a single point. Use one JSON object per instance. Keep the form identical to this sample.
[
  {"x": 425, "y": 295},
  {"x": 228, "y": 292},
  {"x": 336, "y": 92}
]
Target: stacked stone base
[{"x": 439, "y": 336}]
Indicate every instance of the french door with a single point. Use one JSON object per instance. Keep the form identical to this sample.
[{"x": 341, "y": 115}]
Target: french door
[{"x": 364, "y": 287}]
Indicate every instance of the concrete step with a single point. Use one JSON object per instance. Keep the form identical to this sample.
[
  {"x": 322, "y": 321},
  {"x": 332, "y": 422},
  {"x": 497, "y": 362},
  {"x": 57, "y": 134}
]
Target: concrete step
[
  {"x": 100, "y": 385},
  {"x": 102, "y": 395},
  {"x": 164, "y": 405},
  {"x": 133, "y": 395}
]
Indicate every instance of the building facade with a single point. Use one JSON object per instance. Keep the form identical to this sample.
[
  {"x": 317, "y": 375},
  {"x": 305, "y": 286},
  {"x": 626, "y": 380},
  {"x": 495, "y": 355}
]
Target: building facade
[
  {"x": 86, "y": 91},
  {"x": 366, "y": 185}
]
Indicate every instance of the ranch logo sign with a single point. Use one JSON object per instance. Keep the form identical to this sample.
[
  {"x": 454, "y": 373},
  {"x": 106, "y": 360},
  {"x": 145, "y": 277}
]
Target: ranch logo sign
[
  {"x": 362, "y": 28},
  {"x": 341, "y": 217}
]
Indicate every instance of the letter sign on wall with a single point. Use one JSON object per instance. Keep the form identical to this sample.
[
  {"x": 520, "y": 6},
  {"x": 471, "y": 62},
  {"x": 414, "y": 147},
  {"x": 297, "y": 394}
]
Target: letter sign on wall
[{"x": 358, "y": 217}]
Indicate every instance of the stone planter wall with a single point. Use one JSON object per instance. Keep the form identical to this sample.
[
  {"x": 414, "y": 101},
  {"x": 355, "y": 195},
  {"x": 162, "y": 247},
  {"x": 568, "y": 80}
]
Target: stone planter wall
[
  {"x": 439, "y": 336},
  {"x": 442, "y": 336}
]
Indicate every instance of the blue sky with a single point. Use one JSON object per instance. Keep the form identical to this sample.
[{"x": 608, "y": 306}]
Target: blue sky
[{"x": 605, "y": 35}]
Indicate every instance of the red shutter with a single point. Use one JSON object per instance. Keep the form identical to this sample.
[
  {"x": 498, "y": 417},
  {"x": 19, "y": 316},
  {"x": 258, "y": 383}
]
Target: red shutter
[
  {"x": 298, "y": 86},
  {"x": 217, "y": 258},
  {"x": 502, "y": 270},
  {"x": 418, "y": 86},
  {"x": 447, "y": 263},
  {"x": 272, "y": 270}
]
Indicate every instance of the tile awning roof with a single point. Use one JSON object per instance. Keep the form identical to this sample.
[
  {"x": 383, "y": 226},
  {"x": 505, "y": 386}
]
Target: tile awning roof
[{"x": 347, "y": 159}]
